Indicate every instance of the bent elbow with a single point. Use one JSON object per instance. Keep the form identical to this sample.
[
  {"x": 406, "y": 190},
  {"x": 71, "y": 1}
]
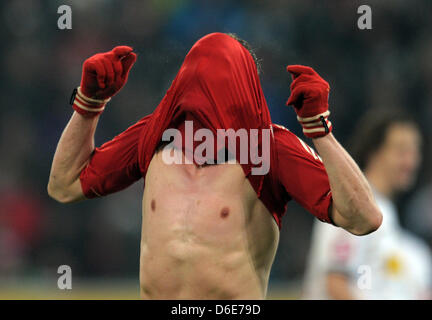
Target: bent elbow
[
  {"x": 58, "y": 194},
  {"x": 370, "y": 223},
  {"x": 377, "y": 220}
]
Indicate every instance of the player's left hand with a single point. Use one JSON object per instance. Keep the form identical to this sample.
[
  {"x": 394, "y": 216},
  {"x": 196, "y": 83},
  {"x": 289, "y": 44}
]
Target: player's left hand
[{"x": 309, "y": 96}]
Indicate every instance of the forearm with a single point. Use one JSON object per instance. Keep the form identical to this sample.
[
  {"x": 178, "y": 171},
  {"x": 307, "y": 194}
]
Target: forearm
[
  {"x": 73, "y": 151},
  {"x": 354, "y": 207}
]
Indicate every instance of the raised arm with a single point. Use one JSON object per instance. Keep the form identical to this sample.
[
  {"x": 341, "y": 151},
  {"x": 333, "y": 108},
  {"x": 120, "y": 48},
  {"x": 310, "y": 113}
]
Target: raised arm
[
  {"x": 104, "y": 74},
  {"x": 353, "y": 205},
  {"x": 72, "y": 154}
]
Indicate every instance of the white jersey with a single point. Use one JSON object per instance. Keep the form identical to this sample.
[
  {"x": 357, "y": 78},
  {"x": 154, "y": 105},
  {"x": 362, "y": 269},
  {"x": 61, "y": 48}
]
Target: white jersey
[{"x": 386, "y": 264}]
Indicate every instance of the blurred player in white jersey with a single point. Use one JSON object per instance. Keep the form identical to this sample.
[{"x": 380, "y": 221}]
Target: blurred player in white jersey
[{"x": 390, "y": 263}]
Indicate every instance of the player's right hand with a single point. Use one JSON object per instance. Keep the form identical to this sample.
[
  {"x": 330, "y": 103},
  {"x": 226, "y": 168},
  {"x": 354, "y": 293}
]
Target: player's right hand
[{"x": 104, "y": 74}]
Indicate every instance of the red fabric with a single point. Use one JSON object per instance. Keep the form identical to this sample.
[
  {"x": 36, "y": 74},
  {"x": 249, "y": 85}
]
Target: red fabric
[
  {"x": 87, "y": 108},
  {"x": 309, "y": 96},
  {"x": 104, "y": 74},
  {"x": 114, "y": 165},
  {"x": 309, "y": 92},
  {"x": 300, "y": 175},
  {"x": 218, "y": 86},
  {"x": 218, "y": 83}
]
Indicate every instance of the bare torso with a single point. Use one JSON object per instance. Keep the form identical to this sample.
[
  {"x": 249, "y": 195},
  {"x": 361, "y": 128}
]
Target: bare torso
[{"x": 205, "y": 234}]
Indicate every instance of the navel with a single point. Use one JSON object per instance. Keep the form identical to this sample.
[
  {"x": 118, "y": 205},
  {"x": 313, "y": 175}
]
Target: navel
[
  {"x": 153, "y": 205},
  {"x": 224, "y": 213}
]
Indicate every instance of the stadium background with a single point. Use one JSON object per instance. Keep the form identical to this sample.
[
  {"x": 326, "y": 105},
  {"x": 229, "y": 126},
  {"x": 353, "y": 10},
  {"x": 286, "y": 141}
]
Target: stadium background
[{"x": 388, "y": 66}]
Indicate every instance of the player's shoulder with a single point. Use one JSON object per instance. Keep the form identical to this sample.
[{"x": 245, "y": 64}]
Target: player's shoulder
[
  {"x": 280, "y": 128},
  {"x": 282, "y": 133},
  {"x": 289, "y": 141}
]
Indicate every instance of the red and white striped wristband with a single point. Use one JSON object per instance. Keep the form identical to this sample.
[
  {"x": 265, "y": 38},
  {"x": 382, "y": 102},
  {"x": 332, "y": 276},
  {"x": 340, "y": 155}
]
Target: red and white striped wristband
[
  {"x": 316, "y": 126},
  {"x": 88, "y": 107}
]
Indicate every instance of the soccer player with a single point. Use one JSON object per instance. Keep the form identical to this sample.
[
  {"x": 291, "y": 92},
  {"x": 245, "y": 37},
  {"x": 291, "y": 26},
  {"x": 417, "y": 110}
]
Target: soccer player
[
  {"x": 210, "y": 231},
  {"x": 390, "y": 263}
]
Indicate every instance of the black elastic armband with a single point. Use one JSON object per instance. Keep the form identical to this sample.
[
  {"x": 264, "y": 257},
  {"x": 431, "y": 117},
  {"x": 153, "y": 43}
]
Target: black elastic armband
[
  {"x": 72, "y": 98},
  {"x": 324, "y": 122}
]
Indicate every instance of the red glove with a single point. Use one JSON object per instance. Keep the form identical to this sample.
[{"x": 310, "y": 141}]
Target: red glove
[
  {"x": 309, "y": 96},
  {"x": 103, "y": 75}
]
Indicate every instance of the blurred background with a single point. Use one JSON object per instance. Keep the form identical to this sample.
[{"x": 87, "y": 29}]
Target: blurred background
[{"x": 389, "y": 66}]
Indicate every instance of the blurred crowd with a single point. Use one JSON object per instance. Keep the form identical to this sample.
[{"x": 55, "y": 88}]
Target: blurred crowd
[{"x": 389, "y": 66}]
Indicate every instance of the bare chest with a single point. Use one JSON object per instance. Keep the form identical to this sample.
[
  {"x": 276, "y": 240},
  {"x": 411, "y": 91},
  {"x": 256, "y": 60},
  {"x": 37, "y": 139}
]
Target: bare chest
[{"x": 213, "y": 204}]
